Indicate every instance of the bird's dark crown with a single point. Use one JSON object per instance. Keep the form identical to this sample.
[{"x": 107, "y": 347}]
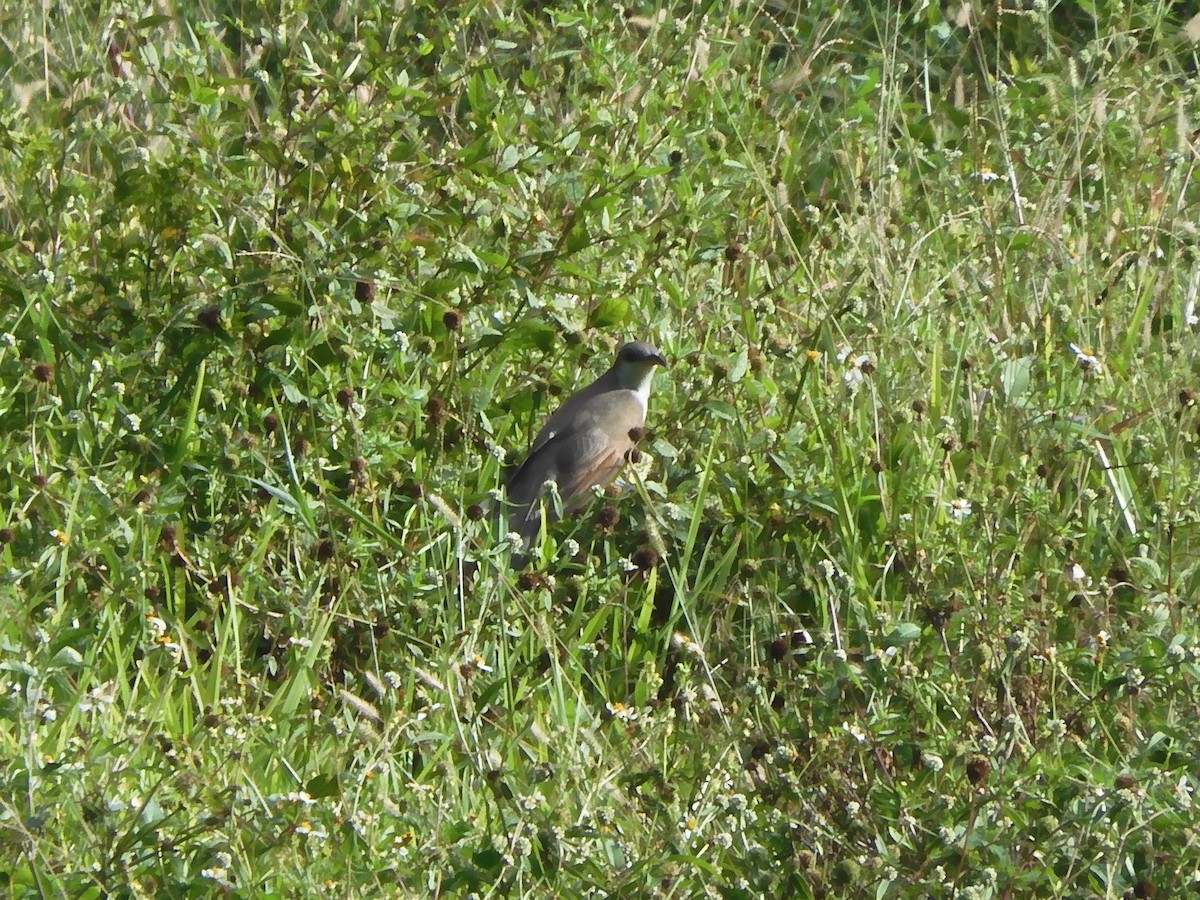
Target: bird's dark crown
[{"x": 640, "y": 352}]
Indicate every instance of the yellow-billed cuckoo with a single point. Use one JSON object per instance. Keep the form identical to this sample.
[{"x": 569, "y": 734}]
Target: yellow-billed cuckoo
[{"x": 585, "y": 442}]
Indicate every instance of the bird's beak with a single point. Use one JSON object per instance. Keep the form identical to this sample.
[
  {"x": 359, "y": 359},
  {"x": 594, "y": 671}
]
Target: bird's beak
[{"x": 659, "y": 360}]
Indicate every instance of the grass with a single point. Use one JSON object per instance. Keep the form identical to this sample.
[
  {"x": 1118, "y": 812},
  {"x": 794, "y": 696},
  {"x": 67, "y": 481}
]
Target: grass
[{"x": 900, "y": 602}]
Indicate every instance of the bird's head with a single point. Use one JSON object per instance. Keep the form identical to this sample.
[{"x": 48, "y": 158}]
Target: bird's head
[{"x": 635, "y": 365}]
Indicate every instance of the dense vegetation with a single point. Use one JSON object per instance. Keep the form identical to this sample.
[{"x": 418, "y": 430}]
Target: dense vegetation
[{"x": 899, "y": 600}]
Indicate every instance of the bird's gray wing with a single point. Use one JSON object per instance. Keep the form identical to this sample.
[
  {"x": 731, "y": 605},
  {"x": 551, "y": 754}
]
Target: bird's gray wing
[{"x": 588, "y": 449}]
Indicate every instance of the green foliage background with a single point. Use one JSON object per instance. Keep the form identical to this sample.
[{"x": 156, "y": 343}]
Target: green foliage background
[{"x": 900, "y": 602}]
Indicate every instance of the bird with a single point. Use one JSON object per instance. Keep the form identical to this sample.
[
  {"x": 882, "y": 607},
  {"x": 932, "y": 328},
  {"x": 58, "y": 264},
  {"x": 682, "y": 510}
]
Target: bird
[{"x": 585, "y": 443}]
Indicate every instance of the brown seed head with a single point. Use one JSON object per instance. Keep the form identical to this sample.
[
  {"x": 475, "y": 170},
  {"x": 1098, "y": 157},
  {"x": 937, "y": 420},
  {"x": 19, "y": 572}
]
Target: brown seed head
[
  {"x": 646, "y": 558},
  {"x": 608, "y": 517},
  {"x": 435, "y": 411},
  {"x": 7, "y": 535},
  {"x": 734, "y": 251},
  {"x": 39, "y": 481},
  {"x": 270, "y": 423},
  {"x": 453, "y": 319},
  {"x": 364, "y": 291},
  {"x": 636, "y": 434},
  {"x": 345, "y": 397},
  {"x": 210, "y": 317},
  {"x": 324, "y": 550},
  {"x": 474, "y": 512},
  {"x": 978, "y": 770},
  {"x": 358, "y": 465},
  {"x": 43, "y": 372},
  {"x": 1144, "y": 887},
  {"x": 530, "y": 580}
]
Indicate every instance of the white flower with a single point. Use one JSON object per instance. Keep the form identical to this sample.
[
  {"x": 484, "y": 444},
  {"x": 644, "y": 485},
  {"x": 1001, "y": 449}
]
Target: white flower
[
  {"x": 932, "y": 762},
  {"x": 98, "y": 698},
  {"x": 1088, "y": 361},
  {"x": 478, "y": 662},
  {"x": 960, "y": 508},
  {"x": 532, "y": 801},
  {"x": 987, "y": 176},
  {"x": 855, "y": 732},
  {"x": 219, "y": 874}
]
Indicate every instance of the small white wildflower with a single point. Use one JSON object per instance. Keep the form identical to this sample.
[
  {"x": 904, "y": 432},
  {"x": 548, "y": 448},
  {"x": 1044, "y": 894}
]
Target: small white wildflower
[
  {"x": 308, "y": 829},
  {"x": 855, "y": 731},
  {"x": 521, "y": 847},
  {"x": 393, "y": 679},
  {"x": 960, "y": 508},
  {"x": 987, "y": 176},
  {"x": 1088, "y": 361},
  {"x": 478, "y": 662},
  {"x": 1102, "y": 639},
  {"x": 1184, "y": 791},
  {"x": 9, "y": 338},
  {"x": 932, "y": 762},
  {"x": 219, "y": 874},
  {"x": 532, "y": 801},
  {"x": 98, "y": 698},
  {"x": 681, "y": 641},
  {"x": 619, "y": 710}
]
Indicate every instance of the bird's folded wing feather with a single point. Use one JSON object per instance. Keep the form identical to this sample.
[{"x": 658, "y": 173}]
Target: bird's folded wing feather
[{"x": 587, "y": 448}]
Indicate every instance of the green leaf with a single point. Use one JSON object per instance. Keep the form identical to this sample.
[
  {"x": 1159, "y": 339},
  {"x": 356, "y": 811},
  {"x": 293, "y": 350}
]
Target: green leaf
[
  {"x": 611, "y": 312},
  {"x": 902, "y": 635}
]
